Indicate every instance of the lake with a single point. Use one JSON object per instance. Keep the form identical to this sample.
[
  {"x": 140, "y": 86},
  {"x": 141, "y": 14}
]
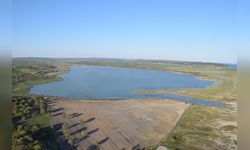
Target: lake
[
  {"x": 102, "y": 82},
  {"x": 233, "y": 66}
]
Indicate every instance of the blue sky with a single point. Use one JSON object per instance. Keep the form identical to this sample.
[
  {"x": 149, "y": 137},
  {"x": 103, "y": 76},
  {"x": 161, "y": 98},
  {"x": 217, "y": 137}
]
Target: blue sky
[{"x": 193, "y": 30}]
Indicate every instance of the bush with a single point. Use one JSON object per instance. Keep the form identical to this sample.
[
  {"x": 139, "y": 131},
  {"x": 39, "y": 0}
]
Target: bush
[
  {"x": 70, "y": 141},
  {"x": 94, "y": 146},
  {"x": 37, "y": 147},
  {"x": 34, "y": 129},
  {"x": 65, "y": 131},
  {"x": 83, "y": 134}
]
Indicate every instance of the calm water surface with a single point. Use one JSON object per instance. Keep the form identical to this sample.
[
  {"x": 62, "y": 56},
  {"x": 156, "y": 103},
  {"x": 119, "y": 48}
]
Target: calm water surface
[
  {"x": 97, "y": 82},
  {"x": 233, "y": 66}
]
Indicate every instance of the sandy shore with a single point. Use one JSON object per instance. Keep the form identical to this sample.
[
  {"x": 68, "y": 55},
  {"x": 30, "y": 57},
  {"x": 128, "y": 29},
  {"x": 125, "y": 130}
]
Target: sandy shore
[{"x": 116, "y": 124}]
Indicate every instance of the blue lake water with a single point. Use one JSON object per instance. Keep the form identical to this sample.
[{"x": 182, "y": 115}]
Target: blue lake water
[
  {"x": 98, "y": 82},
  {"x": 233, "y": 66}
]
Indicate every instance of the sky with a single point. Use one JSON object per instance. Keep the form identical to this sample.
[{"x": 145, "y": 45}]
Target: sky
[{"x": 190, "y": 30}]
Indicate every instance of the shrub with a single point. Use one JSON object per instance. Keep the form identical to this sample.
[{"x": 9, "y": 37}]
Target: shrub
[
  {"x": 34, "y": 128},
  {"x": 83, "y": 134},
  {"x": 94, "y": 146},
  {"x": 70, "y": 141},
  {"x": 65, "y": 131},
  {"x": 37, "y": 147}
]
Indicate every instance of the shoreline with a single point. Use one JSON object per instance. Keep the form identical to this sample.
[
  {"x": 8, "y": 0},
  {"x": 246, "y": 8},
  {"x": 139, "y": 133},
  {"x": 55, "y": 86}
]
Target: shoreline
[
  {"x": 206, "y": 103},
  {"x": 199, "y": 77}
]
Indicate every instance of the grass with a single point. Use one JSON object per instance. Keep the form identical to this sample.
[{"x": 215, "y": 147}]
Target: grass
[
  {"x": 223, "y": 91},
  {"x": 42, "y": 120},
  {"x": 47, "y": 133},
  {"x": 201, "y": 128},
  {"x": 23, "y": 88}
]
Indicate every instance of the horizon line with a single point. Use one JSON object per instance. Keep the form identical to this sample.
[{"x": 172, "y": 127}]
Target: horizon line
[{"x": 194, "y": 61}]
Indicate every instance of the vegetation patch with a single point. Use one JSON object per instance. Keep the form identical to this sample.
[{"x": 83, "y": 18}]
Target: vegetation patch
[
  {"x": 31, "y": 125},
  {"x": 200, "y": 128}
]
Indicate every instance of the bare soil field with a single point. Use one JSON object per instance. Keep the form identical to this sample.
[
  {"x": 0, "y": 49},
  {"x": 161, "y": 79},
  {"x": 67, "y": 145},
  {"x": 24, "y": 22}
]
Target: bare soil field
[{"x": 115, "y": 124}]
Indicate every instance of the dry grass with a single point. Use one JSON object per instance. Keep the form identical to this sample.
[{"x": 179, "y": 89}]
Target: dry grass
[{"x": 205, "y": 128}]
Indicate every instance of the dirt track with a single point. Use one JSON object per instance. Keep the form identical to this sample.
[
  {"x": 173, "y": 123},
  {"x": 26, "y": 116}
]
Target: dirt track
[{"x": 117, "y": 124}]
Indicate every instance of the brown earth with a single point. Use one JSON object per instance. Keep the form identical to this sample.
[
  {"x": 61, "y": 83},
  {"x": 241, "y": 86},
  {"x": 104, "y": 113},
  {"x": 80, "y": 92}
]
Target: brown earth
[{"x": 115, "y": 124}]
